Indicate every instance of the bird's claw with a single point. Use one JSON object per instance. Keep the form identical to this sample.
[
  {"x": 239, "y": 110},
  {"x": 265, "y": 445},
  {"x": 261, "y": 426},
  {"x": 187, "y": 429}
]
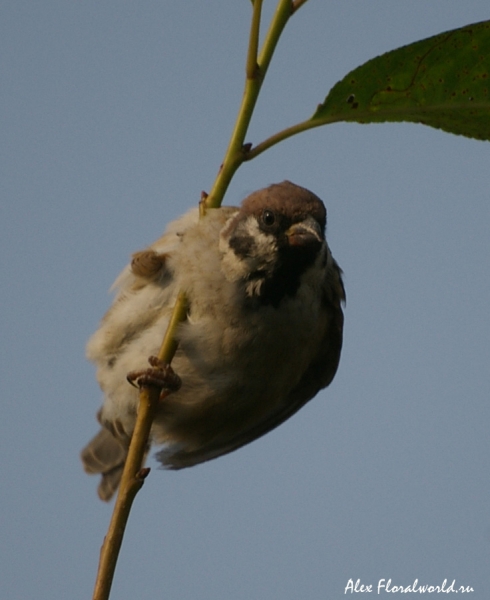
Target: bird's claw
[{"x": 160, "y": 375}]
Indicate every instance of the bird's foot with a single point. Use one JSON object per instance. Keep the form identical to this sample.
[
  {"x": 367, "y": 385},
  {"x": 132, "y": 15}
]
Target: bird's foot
[{"x": 160, "y": 375}]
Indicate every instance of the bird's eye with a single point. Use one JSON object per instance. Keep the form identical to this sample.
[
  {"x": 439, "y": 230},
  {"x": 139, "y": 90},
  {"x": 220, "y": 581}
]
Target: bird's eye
[{"x": 268, "y": 218}]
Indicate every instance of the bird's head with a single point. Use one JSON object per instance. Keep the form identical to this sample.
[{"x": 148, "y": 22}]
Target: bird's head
[{"x": 274, "y": 238}]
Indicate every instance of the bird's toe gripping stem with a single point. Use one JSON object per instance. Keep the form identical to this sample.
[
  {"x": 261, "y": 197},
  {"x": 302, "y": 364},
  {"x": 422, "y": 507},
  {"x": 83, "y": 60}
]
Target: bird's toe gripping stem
[{"x": 160, "y": 375}]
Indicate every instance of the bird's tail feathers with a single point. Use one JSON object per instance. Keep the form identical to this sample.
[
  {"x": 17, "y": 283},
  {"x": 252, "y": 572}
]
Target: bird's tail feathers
[{"x": 104, "y": 454}]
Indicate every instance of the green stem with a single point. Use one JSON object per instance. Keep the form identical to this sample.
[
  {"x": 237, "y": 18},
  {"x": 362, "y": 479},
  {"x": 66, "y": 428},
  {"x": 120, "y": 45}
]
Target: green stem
[
  {"x": 280, "y": 136},
  {"x": 253, "y": 43},
  {"x": 169, "y": 344},
  {"x": 283, "y": 11},
  {"x": 131, "y": 482},
  {"x": 362, "y": 116},
  {"x": 236, "y": 152}
]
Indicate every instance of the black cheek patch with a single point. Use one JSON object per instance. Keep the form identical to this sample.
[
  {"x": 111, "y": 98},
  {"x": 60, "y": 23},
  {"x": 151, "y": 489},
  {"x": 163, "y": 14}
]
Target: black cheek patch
[{"x": 242, "y": 244}]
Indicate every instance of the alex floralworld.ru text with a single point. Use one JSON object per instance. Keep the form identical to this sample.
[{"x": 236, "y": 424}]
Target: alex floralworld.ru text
[{"x": 386, "y": 585}]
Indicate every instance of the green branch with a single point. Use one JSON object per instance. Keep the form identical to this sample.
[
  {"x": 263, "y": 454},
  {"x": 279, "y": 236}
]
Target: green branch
[
  {"x": 149, "y": 398},
  {"x": 256, "y": 70},
  {"x": 425, "y": 82},
  {"x": 131, "y": 482},
  {"x": 253, "y": 43}
]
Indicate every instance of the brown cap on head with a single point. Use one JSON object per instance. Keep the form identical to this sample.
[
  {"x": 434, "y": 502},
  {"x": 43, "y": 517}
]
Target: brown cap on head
[{"x": 287, "y": 198}]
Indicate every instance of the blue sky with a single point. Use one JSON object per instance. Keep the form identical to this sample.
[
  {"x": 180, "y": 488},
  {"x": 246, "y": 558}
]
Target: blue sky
[{"x": 115, "y": 115}]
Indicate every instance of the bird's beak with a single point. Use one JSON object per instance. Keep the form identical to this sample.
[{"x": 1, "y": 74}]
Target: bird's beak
[{"x": 306, "y": 233}]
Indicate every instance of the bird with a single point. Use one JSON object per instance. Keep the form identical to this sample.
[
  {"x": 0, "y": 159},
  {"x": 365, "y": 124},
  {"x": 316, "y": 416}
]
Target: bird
[{"x": 262, "y": 334}]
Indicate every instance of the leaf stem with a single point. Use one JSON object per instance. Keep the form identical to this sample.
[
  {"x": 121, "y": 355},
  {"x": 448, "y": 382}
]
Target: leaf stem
[
  {"x": 280, "y": 136},
  {"x": 390, "y": 113}
]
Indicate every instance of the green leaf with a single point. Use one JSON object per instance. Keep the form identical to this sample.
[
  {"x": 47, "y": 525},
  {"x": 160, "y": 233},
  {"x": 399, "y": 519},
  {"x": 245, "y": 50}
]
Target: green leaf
[{"x": 442, "y": 81}]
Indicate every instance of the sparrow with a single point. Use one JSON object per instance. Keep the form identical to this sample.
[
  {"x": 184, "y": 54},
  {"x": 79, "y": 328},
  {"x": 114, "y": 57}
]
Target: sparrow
[{"x": 263, "y": 332}]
